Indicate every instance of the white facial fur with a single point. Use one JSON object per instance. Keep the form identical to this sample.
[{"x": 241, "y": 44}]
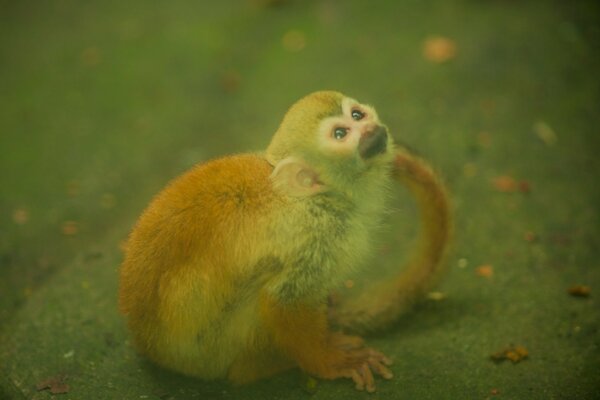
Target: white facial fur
[{"x": 354, "y": 129}]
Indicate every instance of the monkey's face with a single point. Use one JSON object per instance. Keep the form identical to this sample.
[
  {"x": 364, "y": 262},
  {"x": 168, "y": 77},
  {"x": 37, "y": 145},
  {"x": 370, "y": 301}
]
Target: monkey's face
[
  {"x": 356, "y": 133},
  {"x": 335, "y": 141},
  {"x": 352, "y": 146}
]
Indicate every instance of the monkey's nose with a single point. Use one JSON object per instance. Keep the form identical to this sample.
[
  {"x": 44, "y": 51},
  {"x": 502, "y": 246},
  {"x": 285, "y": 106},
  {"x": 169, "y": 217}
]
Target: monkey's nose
[{"x": 373, "y": 142}]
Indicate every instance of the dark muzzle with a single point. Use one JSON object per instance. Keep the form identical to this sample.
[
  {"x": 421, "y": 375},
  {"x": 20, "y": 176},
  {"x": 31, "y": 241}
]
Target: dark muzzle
[{"x": 373, "y": 142}]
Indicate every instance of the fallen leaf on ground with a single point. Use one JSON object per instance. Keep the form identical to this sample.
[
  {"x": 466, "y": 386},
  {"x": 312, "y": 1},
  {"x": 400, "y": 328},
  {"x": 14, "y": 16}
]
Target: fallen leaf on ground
[
  {"x": 70, "y": 228},
  {"x": 485, "y": 270},
  {"x": 530, "y": 237},
  {"x": 524, "y": 187},
  {"x": 488, "y": 106},
  {"x": 91, "y": 56},
  {"x": 439, "y": 49},
  {"x": 484, "y": 139},
  {"x": 231, "y": 80},
  {"x": 56, "y": 384},
  {"x": 20, "y": 216},
  {"x": 513, "y": 353},
  {"x": 580, "y": 291},
  {"x": 73, "y": 188},
  {"x": 505, "y": 184},
  {"x": 294, "y": 41},
  {"x": 508, "y": 184}
]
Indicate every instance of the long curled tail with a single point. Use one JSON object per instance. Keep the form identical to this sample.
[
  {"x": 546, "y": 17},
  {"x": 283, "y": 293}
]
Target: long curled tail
[{"x": 383, "y": 302}]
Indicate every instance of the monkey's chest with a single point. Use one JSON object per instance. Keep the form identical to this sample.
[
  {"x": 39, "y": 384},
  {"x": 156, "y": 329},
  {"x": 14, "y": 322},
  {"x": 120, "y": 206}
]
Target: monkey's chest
[{"x": 325, "y": 247}]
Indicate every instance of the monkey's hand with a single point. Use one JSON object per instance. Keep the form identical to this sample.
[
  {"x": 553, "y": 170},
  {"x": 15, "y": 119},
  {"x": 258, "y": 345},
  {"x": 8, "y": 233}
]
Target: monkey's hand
[
  {"x": 349, "y": 358},
  {"x": 301, "y": 332}
]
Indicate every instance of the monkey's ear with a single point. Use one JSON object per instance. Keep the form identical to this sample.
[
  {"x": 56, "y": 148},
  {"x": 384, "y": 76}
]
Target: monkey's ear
[{"x": 296, "y": 178}]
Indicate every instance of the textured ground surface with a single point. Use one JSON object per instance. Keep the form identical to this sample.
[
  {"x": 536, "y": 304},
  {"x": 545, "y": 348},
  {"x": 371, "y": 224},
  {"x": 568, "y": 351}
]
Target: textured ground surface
[{"x": 102, "y": 102}]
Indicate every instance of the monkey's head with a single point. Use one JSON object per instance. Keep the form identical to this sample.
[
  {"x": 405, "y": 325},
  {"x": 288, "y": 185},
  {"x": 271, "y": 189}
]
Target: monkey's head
[{"x": 328, "y": 141}]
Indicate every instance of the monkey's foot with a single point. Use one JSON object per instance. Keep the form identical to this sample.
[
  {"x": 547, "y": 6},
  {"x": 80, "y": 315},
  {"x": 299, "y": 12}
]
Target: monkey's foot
[{"x": 356, "y": 361}]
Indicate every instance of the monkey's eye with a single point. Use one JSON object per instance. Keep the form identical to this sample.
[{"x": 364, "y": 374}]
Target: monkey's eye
[
  {"x": 357, "y": 115},
  {"x": 340, "y": 133}
]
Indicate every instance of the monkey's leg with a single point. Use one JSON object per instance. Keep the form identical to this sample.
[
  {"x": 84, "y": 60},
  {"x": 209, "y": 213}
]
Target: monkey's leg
[
  {"x": 257, "y": 364},
  {"x": 302, "y": 333}
]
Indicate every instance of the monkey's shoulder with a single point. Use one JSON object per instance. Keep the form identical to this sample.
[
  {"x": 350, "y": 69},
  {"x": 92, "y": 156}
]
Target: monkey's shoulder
[
  {"x": 238, "y": 182},
  {"x": 240, "y": 170},
  {"x": 215, "y": 203}
]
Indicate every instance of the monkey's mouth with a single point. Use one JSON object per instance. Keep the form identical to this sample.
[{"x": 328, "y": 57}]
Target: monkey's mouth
[{"x": 373, "y": 142}]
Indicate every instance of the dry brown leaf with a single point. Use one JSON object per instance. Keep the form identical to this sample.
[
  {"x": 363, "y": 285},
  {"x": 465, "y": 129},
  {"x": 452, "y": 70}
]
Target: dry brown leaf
[
  {"x": 56, "y": 384},
  {"x": 484, "y": 139},
  {"x": 530, "y": 237},
  {"x": 485, "y": 271},
  {"x": 580, "y": 291},
  {"x": 488, "y": 106},
  {"x": 294, "y": 41},
  {"x": 91, "y": 56},
  {"x": 20, "y": 216},
  {"x": 70, "y": 228},
  {"x": 505, "y": 184},
  {"x": 515, "y": 354},
  {"x": 524, "y": 187},
  {"x": 439, "y": 49},
  {"x": 73, "y": 188},
  {"x": 231, "y": 80}
]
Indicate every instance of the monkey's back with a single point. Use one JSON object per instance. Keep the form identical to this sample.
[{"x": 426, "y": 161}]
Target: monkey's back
[{"x": 188, "y": 255}]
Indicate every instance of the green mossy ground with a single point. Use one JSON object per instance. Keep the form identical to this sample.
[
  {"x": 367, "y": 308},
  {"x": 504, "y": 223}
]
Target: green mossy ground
[{"x": 102, "y": 102}]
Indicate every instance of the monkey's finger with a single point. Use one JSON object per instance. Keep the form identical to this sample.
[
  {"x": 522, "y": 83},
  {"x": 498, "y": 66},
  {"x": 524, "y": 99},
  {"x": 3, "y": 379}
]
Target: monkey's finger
[
  {"x": 359, "y": 382},
  {"x": 380, "y": 356},
  {"x": 380, "y": 368},
  {"x": 368, "y": 377}
]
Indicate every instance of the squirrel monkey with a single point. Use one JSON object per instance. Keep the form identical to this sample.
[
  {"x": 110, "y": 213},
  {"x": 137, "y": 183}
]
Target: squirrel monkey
[{"x": 228, "y": 271}]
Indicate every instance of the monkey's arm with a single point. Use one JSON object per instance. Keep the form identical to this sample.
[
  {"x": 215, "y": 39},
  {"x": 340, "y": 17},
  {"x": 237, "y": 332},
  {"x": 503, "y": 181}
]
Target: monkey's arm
[
  {"x": 383, "y": 302},
  {"x": 301, "y": 332}
]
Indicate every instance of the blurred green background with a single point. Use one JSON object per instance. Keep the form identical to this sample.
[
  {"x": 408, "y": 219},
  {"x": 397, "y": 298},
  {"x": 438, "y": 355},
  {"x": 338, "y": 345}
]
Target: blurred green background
[{"x": 102, "y": 102}]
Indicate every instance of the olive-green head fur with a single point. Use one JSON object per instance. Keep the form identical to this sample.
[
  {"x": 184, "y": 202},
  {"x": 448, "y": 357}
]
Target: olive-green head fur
[
  {"x": 296, "y": 133},
  {"x": 335, "y": 143}
]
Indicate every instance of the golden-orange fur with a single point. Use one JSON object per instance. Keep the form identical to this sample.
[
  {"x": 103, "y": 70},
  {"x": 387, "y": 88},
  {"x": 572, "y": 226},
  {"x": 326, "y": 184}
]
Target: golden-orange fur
[{"x": 227, "y": 272}]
